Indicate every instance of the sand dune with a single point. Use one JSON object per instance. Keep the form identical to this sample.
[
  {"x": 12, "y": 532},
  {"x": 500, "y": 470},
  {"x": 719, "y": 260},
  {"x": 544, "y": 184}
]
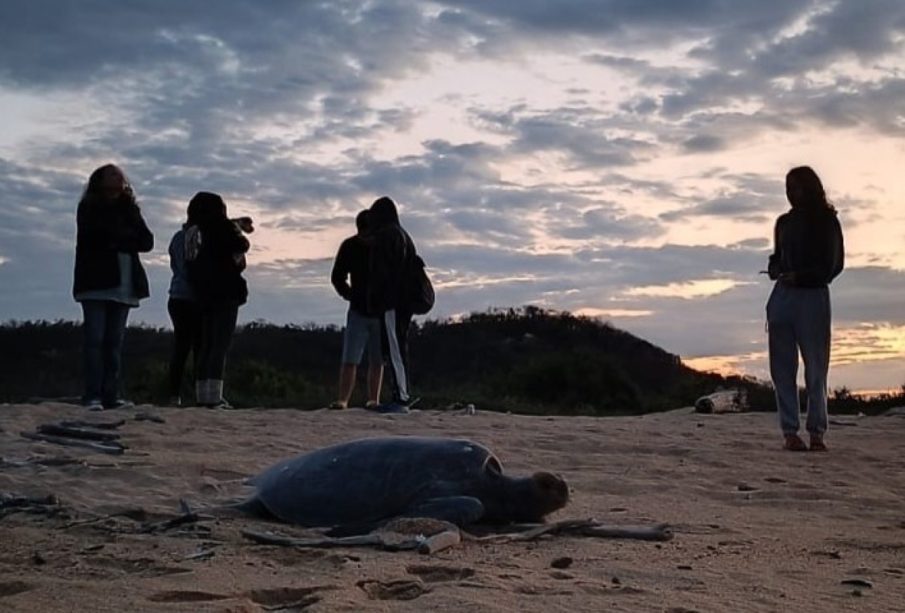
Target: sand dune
[{"x": 756, "y": 528}]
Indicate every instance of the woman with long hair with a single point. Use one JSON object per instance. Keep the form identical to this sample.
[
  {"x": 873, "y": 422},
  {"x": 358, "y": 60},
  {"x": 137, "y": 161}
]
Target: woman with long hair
[
  {"x": 808, "y": 254},
  {"x": 109, "y": 278},
  {"x": 214, "y": 252}
]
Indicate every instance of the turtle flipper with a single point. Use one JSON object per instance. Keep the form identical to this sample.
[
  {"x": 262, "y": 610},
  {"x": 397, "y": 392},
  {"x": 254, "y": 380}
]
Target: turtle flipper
[
  {"x": 459, "y": 510},
  {"x": 251, "y": 506}
]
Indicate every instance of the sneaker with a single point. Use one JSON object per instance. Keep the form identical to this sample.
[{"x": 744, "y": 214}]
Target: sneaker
[
  {"x": 119, "y": 403},
  {"x": 793, "y": 442},
  {"x": 93, "y": 404},
  {"x": 817, "y": 443},
  {"x": 223, "y": 403},
  {"x": 337, "y": 405},
  {"x": 392, "y": 407}
]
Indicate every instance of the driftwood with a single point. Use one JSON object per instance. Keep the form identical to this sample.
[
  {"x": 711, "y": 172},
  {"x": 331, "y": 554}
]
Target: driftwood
[
  {"x": 111, "y": 447},
  {"x": 372, "y": 539},
  {"x": 145, "y": 416},
  {"x": 100, "y": 425},
  {"x": 135, "y": 514},
  {"x": 450, "y": 537},
  {"x": 188, "y": 516},
  {"x": 583, "y": 527},
  {"x": 94, "y": 435},
  {"x": 268, "y": 538},
  {"x": 91, "y": 434},
  {"x": 14, "y": 503},
  {"x": 52, "y": 461},
  {"x": 723, "y": 401},
  {"x": 140, "y": 516},
  {"x": 14, "y": 500}
]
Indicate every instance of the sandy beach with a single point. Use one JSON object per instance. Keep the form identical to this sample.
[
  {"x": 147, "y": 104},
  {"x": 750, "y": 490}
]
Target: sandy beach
[{"x": 756, "y": 528}]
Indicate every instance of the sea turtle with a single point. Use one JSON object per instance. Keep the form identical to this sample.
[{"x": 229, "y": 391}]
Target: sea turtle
[{"x": 358, "y": 485}]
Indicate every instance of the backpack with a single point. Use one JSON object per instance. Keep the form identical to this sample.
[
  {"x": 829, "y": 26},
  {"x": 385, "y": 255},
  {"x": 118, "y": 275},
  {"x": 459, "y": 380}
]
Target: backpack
[{"x": 420, "y": 290}]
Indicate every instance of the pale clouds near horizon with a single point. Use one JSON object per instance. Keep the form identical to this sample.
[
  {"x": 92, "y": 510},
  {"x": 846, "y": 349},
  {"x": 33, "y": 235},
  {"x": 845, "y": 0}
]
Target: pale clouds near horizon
[{"x": 609, "y": 157}]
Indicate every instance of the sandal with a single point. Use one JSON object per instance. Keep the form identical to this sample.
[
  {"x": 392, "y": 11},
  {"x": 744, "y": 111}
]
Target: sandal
[{"x": 794, "y": 443}]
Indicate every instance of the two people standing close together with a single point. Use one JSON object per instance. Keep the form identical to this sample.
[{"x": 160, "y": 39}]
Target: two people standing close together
[
  {"x": 207, "y": 259},
  {"x": 371, "y": 271}
]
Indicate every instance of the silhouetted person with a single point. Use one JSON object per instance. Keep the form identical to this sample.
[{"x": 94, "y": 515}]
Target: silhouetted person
[
  {"x": 808, "y": 254},
  {"x": 392, "y": 257},
  {"x": 109, "y": 278},
  {"x": 215, "y": 258},
  {"x": 185, "y": 314},
  {"x": 350, "y": 279}
]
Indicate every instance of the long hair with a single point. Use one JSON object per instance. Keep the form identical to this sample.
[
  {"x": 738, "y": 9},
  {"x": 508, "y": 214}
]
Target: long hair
[
  {"x": 93, "y": 190},
  {"x": 206, "y": 208},
  {"x": 814, "y": 194}
]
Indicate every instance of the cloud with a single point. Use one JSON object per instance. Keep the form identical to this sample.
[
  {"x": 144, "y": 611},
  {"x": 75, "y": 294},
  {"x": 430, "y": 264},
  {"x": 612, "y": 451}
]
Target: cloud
[{"x": 563, "y": 169}]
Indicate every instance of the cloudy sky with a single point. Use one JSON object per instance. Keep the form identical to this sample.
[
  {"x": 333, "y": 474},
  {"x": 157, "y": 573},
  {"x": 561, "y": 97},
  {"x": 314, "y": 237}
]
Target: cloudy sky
[{"x": 617, "y": 158}]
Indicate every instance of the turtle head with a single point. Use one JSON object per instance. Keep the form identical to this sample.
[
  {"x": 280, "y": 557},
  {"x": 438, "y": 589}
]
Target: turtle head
[
  {"x": 527, "y": 499},
  {"x": 550, "y": 493}
]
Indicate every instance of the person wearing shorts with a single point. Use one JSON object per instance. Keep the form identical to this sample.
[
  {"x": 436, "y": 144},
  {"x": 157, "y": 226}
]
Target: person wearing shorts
[{"x": 362, "y": 333}]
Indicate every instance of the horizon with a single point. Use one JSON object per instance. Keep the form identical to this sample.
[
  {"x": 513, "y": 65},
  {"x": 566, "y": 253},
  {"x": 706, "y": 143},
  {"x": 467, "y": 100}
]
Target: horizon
[{"x": 617, "y": 160}]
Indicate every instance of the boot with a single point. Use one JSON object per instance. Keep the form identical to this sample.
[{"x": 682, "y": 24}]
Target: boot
[
  {"x": 216, "y": 395},
  {"x": 202, "y": 395}
]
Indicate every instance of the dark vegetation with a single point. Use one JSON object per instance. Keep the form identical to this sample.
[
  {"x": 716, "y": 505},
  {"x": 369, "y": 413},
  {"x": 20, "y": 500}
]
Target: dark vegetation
[{"x": 526, "y": 360}]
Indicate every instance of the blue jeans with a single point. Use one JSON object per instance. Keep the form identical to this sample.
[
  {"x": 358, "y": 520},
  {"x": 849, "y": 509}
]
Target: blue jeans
[
  {"x": 104, "y": 329},
  {"x": 799, "y": 318}
]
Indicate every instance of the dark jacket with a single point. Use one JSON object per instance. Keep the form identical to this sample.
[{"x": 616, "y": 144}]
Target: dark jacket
[
  {"x": 392, "y": 255},
  {"x": 352, "y": 263},
  {"x": 216, "y": 272},
  {"x": 104, "y": 229},
  {"x": 808, "y": 243}
]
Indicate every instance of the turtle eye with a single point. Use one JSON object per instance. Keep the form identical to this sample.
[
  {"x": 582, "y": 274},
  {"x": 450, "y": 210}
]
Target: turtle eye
[{"x": 493, "y": 465}]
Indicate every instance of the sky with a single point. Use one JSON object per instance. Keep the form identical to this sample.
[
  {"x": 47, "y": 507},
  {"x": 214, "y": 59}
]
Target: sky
[{"x": 621, "y": 159}]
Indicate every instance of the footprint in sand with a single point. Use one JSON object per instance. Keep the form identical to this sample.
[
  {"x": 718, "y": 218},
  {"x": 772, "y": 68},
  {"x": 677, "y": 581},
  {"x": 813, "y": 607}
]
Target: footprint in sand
[
  {"x": 11, "y": 588},
  {"x": 435, "y": 574},
  {"x": 186, "y": 596},
  {"x": 398, "y": 589},
  {"x": 147, "y": 567},
  {"x": 288, "y": 597}
]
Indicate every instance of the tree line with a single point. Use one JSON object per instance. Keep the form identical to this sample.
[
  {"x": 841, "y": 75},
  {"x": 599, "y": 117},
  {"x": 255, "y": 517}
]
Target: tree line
[{"x": 523, "y": 360}]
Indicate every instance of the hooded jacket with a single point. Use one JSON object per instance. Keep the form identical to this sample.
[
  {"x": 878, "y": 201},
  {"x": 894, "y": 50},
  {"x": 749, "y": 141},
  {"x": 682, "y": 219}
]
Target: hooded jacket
[
  {"x": 391, "y": 256},
  {"x": 808, "y": 243},
  {"x": 350, "y": 273}
]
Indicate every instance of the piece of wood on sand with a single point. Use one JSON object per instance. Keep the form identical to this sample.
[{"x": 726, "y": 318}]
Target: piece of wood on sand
[
  {"x": 110, "y": 447},
  {"x": 582, "y": 527}
]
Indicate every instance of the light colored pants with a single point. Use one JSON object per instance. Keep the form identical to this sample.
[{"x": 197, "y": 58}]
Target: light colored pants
[
  {"x": 394, "y": 329},
  {"x": 361, "y": 333},
  {"x": 798, "y": 319}
]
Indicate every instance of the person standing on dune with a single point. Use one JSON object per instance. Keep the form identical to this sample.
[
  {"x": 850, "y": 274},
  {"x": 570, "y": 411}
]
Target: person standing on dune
[
  {"x": 215, "y": 248},
  {"x": 808, "y": 254},
  {"x": 362, "y": 332},
  {"x": 108, "y": 279},
  {"x": 392, "y": 257}
]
